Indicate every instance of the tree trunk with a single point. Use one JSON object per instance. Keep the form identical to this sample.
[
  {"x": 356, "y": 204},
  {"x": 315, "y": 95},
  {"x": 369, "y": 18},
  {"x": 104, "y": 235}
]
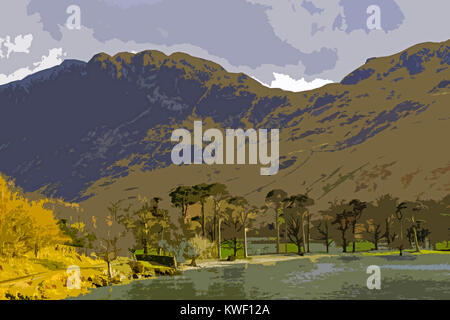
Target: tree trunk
[
  {"x": 416, "y": 242},
  {"x": 388, "y": 236},
  {"x": 193, "y": 262},
  {"x": 299, "y": 246},
  {"x": 278, "y": 232},
  {"x": 203, "y": 220},
  {"x": 354, "y": 237},
  {"x": 401, "y": 230},
  {"x": 214, "y": 226},
  {"x": 235, "y": 247},
  {"x": 145, "y": 247},
  {"x": 185, "y": 209},
  {"x": 219, "y": 253},
  {"x": 303, "y": 233},
  {"x": 109, "y": 270},
  {"x": 344, "y": 242},
  {"x": 245, "y": 242},
  {"x": 308, "y": 228},
  {"x": 285, "y": 237}
]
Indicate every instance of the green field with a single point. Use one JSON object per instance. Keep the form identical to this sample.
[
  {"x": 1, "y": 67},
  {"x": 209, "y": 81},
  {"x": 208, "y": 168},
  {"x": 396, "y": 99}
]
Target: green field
[{"x": 361, "y": 246}]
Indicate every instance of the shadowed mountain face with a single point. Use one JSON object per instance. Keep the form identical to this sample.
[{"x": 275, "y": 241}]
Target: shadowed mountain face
[{"x": 79, "y": 128}]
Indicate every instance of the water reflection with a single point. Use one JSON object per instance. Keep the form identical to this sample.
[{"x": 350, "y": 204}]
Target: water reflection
[{"x": 427, "y": 277}]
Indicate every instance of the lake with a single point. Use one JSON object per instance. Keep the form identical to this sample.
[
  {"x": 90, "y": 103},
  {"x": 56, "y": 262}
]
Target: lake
[{"x": 336, "y": 277}]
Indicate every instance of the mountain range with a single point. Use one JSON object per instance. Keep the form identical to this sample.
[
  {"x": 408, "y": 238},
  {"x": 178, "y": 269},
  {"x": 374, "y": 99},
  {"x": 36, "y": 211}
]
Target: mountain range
[{"x": 93, "y": 132}]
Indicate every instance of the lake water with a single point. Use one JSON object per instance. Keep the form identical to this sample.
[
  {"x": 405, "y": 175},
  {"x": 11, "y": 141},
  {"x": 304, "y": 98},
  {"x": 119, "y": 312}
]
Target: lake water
[{"x": 339, "y": 277}]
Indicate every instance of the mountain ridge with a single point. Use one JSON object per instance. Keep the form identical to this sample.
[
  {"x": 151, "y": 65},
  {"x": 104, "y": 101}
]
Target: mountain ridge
[{"x": 122, "y": 109}]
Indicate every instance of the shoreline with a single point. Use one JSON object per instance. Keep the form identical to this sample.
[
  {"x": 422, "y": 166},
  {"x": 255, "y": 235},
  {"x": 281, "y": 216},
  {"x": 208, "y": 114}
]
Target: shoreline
[
  {"x": 270, "y": 259},
  {"x": 93, "y": 273}
]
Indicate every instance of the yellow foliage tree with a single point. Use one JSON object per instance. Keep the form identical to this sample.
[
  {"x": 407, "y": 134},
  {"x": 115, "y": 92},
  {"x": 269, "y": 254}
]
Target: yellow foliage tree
[{"x": 25, "y": 225}]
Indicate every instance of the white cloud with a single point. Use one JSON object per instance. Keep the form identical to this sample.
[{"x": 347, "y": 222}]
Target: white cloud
[
  {"x": 20, "y": 44},
  {"x": 1, "y": 51},
  {"x": 285, "y": 82},
  {"x": 53, "y": 58}
]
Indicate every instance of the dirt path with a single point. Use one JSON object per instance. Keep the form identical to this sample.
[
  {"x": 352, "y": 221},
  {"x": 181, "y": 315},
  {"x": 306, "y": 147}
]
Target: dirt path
[{"x": 43, "y": 275}]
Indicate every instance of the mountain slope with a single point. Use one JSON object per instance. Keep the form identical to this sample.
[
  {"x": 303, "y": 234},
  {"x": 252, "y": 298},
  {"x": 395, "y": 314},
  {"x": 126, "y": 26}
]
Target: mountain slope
[{"x": 101, "y": 130}]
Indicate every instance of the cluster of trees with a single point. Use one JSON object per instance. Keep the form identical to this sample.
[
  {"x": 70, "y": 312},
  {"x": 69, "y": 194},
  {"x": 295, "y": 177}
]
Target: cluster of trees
[
  {"x": 26, "y": 226},
  {"x": 218, "y": 217},
  {"x": 223, "y": 216},
  {"x": 208, "y": 217},
  {"x": 211, "y": 213},
  {"x": 396, "y": 224}
]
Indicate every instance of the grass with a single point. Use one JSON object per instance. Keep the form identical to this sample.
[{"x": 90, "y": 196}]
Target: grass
[
  {"x": 157, "y": 268},
  {"x": 396, "y": 253},
  {"x": 408, "y": 251},
  {"x": 444, "y": 245},
  {"x": 361, "y": 246},
  {"x": 152, "y": 251},
  {"x": 227, "y": 250},
  {"x": 429, "y": 252},
  {"x": 291, "y": 248},
  {"x": 26, "y": 277},
  {"x": 51, "y": 264}
]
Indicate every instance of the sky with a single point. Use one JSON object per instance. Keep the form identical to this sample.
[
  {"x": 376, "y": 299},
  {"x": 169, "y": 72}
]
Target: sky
[{"x": 290, "y": 44}]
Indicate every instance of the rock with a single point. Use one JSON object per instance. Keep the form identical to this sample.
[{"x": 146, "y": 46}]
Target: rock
[{"x": 99, "y": 281}]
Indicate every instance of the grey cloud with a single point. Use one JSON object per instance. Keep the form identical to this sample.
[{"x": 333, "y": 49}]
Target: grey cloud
[
  {"x": 355, "y": 14},
  {"x": 233, "y": 29},
  {"x": 311, "y": 8},
  {"x": 318, "y": 61},
  {"x": 257, "y": 37},
  {"x": 131, "y": 3},
  {"x": 315, "y": 28},
  {"x": 423, "y": 21},
  {"x": 13, "y": 22}
]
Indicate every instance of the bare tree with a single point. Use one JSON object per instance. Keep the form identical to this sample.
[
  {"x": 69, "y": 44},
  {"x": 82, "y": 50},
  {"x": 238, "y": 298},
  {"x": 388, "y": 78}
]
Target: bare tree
[
  {"x": 274, "y": 200},
  {"x": 343, "y": 221},
  {"x": 246, "y": 212},
  {"x": 357, "y": 209},
  {"x": 219, "y": 194},
  {"x": 399, "y": 215},
  {"x": 108, "y": 252},
  {"x": 294, "y": 224},
  {"x": 323, "y": 232},
  {"x": 299, "y": 204}
]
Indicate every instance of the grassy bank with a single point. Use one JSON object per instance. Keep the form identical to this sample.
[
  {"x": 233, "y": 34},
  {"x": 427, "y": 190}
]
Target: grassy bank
[{"x": 45, "y": 277}]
